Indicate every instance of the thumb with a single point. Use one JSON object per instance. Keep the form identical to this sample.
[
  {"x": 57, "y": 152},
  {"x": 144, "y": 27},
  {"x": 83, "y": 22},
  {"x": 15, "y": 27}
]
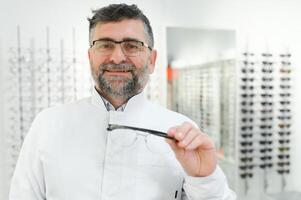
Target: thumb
[{"x": 172, "y": 143}]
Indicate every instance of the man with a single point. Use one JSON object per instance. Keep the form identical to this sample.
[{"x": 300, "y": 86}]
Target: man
[{"x": 69, "y": 153}]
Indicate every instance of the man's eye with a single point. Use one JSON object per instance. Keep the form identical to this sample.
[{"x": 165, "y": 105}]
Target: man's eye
[
  {"x": 131, "y": 46},
  {"x": 104, "y": 46}
]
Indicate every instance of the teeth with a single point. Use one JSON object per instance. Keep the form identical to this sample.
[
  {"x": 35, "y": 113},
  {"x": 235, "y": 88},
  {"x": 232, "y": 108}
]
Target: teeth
[{"x": 117, "y": 70}]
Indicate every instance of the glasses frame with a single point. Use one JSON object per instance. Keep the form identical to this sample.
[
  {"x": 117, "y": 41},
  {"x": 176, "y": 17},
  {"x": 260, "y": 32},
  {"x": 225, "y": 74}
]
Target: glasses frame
[
  {"x": 120, "y": 42},
  {"x": 112, "y": 127}
]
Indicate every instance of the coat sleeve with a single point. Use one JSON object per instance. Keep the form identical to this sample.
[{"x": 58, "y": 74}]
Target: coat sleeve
[
  {"x": 213, "y": 187},
  {"x": 28, "y": 182}
]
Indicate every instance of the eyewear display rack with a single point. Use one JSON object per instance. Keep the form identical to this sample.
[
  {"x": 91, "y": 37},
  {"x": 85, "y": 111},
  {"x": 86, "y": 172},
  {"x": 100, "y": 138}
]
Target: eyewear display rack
[
  {"x": 206, "y": 94},
  {"x": 38, "y": 78},
  {"x": 264, "y": 123},
  {"x": 245, "y": 106}
]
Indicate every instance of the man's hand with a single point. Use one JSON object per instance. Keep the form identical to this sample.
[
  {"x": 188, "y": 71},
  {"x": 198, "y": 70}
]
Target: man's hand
[{"x": 193, "y": 149}]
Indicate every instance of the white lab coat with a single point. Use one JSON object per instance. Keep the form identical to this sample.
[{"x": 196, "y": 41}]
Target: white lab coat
[{"x": 68, "y": 155}]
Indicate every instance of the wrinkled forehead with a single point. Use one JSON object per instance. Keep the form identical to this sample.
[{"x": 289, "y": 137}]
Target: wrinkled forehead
[{"x": 120, "y": 30}]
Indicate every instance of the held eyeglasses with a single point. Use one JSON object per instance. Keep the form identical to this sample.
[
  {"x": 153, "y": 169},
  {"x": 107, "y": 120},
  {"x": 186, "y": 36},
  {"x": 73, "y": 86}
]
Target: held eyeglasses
[{"x": 126, "y": 136}]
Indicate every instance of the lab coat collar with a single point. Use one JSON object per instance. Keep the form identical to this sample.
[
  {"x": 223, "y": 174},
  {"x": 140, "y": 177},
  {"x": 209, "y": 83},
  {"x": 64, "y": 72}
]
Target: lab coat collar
[{"x": 133, "y": 103}]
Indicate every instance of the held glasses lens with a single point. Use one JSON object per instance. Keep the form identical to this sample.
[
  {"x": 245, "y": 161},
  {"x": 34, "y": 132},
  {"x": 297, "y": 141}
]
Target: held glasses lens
[{"x": 126, "y": 136}]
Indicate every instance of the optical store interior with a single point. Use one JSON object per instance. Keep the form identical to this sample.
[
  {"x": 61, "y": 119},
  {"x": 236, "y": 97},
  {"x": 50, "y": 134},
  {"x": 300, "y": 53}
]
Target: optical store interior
[{"x": 232, "y": 66}]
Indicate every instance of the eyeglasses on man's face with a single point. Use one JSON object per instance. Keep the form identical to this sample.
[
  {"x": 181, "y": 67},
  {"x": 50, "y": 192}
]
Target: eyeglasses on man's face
[{"x": 129, "y": 48}]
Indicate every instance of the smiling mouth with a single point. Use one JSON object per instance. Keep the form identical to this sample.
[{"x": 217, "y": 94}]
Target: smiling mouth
[{"x": 118, "y": 72}]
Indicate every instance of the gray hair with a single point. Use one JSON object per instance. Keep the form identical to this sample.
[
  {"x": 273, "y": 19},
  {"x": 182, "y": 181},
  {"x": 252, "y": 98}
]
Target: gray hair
[{"x": 118, "y": 12}]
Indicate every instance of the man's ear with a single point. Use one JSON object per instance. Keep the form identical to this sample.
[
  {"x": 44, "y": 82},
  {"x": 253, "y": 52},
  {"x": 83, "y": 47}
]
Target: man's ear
[
  {"x": 152, "y": 61},
  {"x": 89, "y": 55}
]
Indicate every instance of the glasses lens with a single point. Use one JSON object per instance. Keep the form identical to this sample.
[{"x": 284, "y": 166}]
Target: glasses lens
[
  {"x": 123, "y": 138},
  {"x": 105, "y": 47},
  {"x": 131, "y": 48},
  {"x": 156, "y": 144}
]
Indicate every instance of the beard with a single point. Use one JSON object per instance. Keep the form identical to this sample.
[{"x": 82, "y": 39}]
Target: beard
[{"x": 121, "y": 87}]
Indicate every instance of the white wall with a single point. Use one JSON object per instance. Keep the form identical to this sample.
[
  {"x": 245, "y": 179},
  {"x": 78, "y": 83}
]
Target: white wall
[
  {"x": 187, "y": 46},
  {"x": 2, "y": 172}
]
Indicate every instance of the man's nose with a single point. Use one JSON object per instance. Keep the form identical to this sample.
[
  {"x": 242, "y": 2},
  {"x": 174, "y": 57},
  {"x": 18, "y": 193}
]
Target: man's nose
[{"x": 117, "y": 55}]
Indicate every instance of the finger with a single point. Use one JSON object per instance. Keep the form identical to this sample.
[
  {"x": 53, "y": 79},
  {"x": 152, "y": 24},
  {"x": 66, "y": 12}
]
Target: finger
[
  {"x": 202, "y": 141},
  {"x": 188, "y": 138},
  {"x": 172, "y": 144},
  {"x": 172, "y": 131},
  {"x": 196, "y": 143},
  {"x": 183, "y": 130}
]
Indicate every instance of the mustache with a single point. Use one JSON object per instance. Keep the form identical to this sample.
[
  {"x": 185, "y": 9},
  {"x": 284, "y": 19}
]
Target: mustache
[{"x": 117, "y": 67}]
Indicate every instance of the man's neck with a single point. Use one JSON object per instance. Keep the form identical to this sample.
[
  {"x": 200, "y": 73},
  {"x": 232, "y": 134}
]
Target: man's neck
[{"x": 116, "y": 102}]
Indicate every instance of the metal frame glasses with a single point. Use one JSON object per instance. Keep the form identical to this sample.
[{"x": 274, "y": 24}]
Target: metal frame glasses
[
  {"x": 129, "y": 47},
  {"x": 112, "y": 127}
]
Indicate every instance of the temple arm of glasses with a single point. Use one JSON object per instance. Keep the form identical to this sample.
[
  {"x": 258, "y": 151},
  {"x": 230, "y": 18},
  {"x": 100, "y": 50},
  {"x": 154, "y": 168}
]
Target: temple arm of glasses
[{"x": 112, "y": 127}]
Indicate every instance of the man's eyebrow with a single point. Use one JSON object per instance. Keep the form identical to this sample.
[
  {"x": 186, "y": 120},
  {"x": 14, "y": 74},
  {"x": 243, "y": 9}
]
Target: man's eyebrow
[
  {"x": 123, "y": 39},
  {"x": 105, "y": 38},
  {"x": 129, "y": 38}
]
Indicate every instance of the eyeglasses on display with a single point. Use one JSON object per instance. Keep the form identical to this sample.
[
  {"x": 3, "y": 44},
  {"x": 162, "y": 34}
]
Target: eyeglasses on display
[
  {"x": 244, "y": 151},
  {"x": 282, "y": 133},
  {"x": 265, "y": 150},
  {"x": 266, "y": 165},
  {"x": 264, "y": 142},
  {"x": 285, "y": 55},
  {"x": 247, "y": 95},
  {"x": 246, "y": 175},
  {"x": 247, "y": 70},
  {"x": 244, "y": 143},
  {"x": 247, "y": 79},
  {"x": 244, "y": 167},
  {"x": 246, "y": 159},
  {"x": 283, "y": 171},
  {"x": 281, "y": 164},
  {"x": 245, "y": 103},
  {"x": 266, "y": 134},
  {"x": 266, "y": 158},
  {"x": 282, "y": 141},
  {"x": 283, "y": 156},
  {"x": 284, "y": 125},
  {"x": 267, "y": 54},
  {"x": 266, "y": 87},
  {"x": 283, "y": 149},
  {"x": 267, "y": 63},
  {"x": 246, "y": 135}
]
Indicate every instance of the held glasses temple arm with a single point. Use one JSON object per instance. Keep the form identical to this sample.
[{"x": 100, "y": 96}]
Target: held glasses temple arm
[{"x": 112, "y": 127}]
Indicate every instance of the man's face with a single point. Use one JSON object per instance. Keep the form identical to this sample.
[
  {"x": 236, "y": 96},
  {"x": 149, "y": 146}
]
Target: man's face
[{"x": 117, "y": 75}]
